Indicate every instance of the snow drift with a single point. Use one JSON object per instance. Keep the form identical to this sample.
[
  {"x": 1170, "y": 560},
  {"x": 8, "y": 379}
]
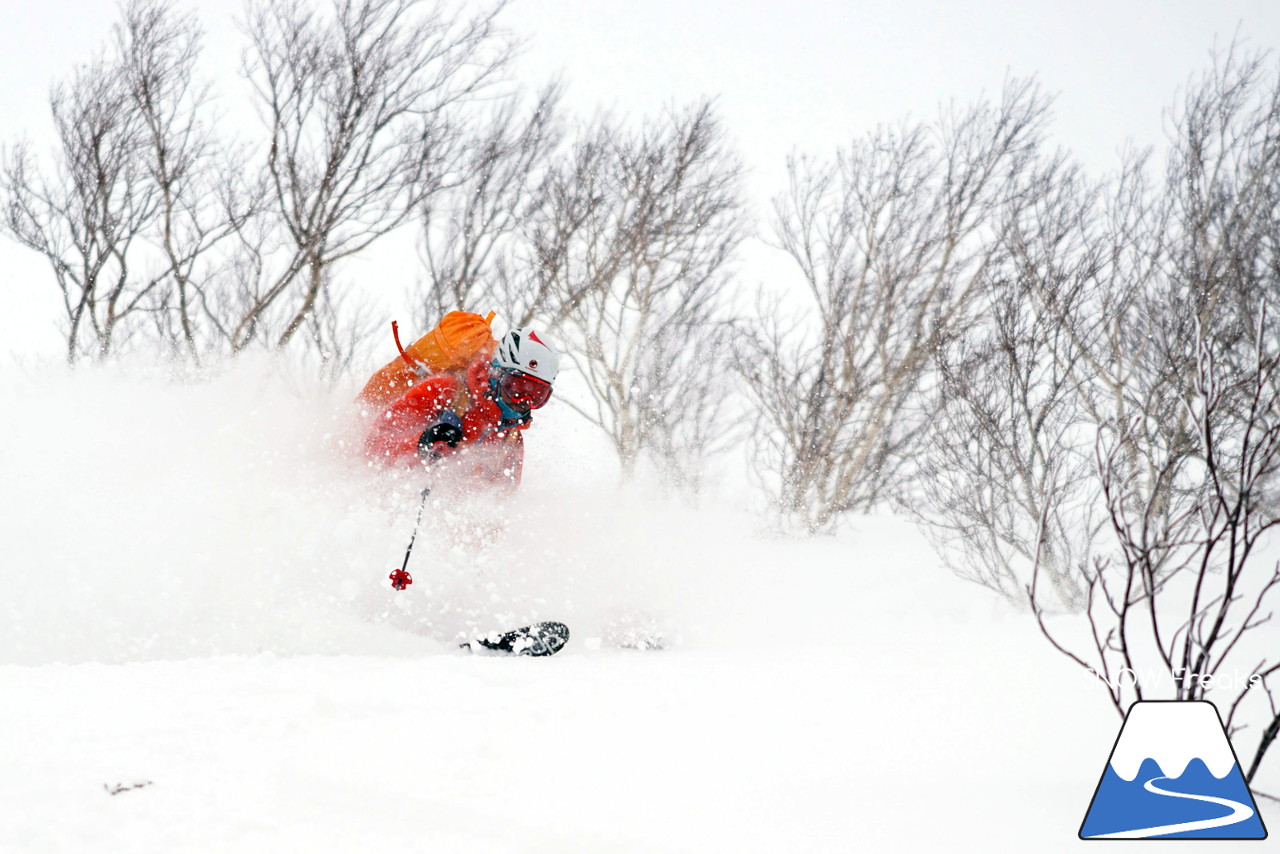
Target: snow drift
[
  {"x": 145, "y": 518},
  {"x": 219, "y": 539}
]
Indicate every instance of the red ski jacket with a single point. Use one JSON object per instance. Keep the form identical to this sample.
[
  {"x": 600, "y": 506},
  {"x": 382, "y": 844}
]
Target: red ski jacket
[{"x": 490, "y": 451}]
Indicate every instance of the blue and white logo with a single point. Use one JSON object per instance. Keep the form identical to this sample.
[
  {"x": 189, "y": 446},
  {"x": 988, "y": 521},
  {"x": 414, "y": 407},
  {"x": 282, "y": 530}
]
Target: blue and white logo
[{"x": 1172, "y": 775}]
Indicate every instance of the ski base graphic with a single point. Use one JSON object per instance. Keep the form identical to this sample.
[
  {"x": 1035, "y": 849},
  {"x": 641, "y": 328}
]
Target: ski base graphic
[{"x": 539, "y": 639}]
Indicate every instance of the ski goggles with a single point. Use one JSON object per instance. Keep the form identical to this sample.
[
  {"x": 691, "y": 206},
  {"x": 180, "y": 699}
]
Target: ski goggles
[{"x": 523, "y": 392}]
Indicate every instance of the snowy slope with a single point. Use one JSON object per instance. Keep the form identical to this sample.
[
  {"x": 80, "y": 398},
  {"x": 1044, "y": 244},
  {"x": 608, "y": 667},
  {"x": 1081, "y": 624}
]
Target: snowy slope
[{"x": 195, "y": 597}]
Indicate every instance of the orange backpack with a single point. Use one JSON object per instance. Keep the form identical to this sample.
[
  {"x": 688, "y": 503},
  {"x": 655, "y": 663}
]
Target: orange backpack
[{"x": 459, "y": 338}]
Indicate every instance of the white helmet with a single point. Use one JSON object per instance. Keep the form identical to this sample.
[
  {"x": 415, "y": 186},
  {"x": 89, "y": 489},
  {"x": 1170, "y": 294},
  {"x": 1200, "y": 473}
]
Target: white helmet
[{"x": 526, "y": 351}]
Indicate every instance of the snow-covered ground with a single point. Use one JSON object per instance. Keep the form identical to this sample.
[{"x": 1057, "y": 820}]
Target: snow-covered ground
[{"x": 193, "y": 595}]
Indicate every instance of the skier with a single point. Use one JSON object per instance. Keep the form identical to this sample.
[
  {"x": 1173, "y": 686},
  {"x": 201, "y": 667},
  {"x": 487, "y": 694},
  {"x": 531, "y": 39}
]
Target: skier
[{"x": 474, "y": 418}]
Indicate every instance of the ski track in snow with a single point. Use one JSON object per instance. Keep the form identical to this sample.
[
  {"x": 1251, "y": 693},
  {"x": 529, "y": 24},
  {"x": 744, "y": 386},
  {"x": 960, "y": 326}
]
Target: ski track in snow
[{"x": 1239, "y": 812}]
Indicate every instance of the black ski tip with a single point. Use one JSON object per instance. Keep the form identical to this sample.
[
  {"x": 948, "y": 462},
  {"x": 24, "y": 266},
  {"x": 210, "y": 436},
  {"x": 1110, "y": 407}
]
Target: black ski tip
[{"x": 539, "y": 639}]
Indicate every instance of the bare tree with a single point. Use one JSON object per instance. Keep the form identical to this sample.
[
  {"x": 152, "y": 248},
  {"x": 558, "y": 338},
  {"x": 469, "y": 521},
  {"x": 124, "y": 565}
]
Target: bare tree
[
  {"x": 1190, "y": 258},
  {"x": 360, "y": 108},
  {"x": 1184, "y": 597},
  {"x": 1107, "y": 440},
  {"x": 567, "y": 250},
  {"x": 1006, "y": 418},
  {"x": 516, "y": 230},
  {"x": 894, "y": 240},
  {"x": 633, "y": 261},
  {"x": 340, "y": 332},
  {"x": 88, "y": 217},
  {"x": 201, "y": 198},
  {"x": 1108, "y": 336},
  {"x": 1223, "y": 187},
  {"x": 474, "y": 245},
  {"x": 142, "y": 195},
  {"x": 153, "y": 226}
]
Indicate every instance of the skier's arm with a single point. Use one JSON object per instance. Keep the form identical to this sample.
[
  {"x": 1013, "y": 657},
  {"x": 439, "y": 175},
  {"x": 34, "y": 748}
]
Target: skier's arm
[{"x": 397, "y": 433}]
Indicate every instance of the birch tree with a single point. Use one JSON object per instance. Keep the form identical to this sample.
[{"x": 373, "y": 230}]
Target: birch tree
[
  {"x": 87, "y": 216},
  {"x": 894, "y": 240},
  {"x": 634, "y": 259},
  {"x": 361, "y": 108}
]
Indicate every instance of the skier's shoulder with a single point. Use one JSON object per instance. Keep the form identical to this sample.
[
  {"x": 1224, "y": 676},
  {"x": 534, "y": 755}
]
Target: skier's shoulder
[
  {"x": 451, "y": 380},
  {"x": 435, "y": 387},
  {"x": 476, "y": 374}
]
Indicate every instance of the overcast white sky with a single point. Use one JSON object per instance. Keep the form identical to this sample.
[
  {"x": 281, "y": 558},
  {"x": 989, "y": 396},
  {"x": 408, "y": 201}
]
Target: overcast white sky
[
  {"x": 814, "y": 74},
  {"x": 788, "y": 75}
]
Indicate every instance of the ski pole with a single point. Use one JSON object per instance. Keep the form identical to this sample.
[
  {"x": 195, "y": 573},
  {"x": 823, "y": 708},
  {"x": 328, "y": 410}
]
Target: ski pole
[{"x": 400, "y": 578}]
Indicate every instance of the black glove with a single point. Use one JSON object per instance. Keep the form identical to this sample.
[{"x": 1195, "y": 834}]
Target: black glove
[{"x": 447, "y": 430}]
